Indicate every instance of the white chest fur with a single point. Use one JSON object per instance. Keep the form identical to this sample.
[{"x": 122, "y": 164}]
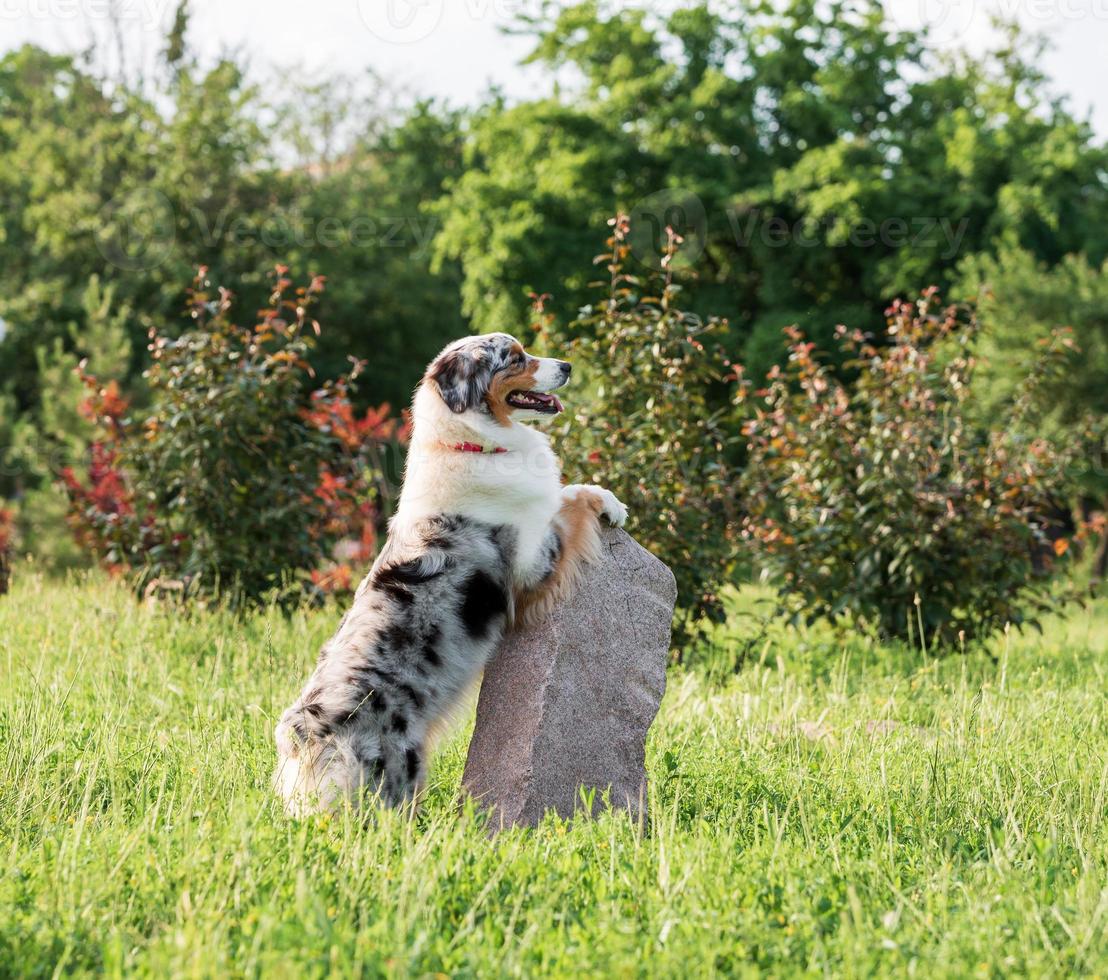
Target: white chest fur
[{"x": 519, "y": 488}]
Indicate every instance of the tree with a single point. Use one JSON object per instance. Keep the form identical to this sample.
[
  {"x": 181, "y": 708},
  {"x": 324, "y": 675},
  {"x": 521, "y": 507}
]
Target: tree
[
  {"x": 1021, "y": 301},
  {"x": 58, "y": 434},
  {"x": 822, "y": 162},
  {"x": 96, "y": 181},
  {"x": 386, "y": 304}
]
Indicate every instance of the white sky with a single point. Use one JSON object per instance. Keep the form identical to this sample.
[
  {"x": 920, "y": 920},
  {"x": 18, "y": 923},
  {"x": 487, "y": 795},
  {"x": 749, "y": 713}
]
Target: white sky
[{"x": 453, "y": 48}]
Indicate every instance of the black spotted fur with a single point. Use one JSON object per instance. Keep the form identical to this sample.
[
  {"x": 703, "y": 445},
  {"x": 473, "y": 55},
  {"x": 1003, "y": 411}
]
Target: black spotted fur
[{"x": 433, "y": 610}]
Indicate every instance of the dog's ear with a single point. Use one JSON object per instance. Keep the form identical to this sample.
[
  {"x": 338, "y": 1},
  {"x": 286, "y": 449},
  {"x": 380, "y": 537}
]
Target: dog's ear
[{"x": 459, "y": 376}]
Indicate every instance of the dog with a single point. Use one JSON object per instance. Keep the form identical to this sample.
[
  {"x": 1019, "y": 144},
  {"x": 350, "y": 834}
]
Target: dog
[{"x": 484, "y": 536}]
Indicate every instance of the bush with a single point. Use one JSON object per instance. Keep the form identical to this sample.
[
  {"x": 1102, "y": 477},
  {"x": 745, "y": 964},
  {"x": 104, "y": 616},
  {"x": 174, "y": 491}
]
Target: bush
[
  {"x": 881, "y": 501},
  {"x": 234, "y": 477},
  {"x": 654, "y": 428}
]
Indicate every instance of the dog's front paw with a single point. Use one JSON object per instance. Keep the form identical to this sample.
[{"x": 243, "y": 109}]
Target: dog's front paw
[
  {"x": 610, "y": 506},
  {"x": 614, "y": 509}
]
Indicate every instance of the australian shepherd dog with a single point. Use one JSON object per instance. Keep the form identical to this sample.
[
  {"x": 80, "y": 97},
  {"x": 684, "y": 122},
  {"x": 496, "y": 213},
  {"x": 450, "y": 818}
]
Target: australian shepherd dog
[{"x": 485, "y": 535}]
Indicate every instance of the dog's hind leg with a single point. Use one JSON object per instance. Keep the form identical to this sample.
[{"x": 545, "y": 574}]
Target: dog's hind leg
[
  {"x": 402, "y": 770},
  {"x": 572, "y": 542}
]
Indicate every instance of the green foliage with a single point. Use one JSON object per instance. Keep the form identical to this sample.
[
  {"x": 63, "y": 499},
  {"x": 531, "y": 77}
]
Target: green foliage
[
  {"x": 1021, "y": 302},
  {"x": 57, "y": 434},
  {"x": 541, "y": 174},
  {"x": 9, "y": 475},
  {"x": 823, "y": 161},
  {"x": 175, "y": 46},
  {"x": 133, "y": 187},
  {"x": 228, "y": 460},
  {"x": 883, "y": 502},
  {"x": 842, "y": 809},
  {"x": 95, "y": 181},
  {"x": 141, "y": 185},
  {"x": 225, "y": 484},
  {"x": 655, "y": 426},
  {"x": 384, "y": 303},
  {"x": 816, "y": 160}
]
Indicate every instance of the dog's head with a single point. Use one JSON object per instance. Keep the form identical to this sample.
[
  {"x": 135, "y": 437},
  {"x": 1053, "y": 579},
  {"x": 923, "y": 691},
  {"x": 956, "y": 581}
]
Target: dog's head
[{"x": 494, "y": 376}]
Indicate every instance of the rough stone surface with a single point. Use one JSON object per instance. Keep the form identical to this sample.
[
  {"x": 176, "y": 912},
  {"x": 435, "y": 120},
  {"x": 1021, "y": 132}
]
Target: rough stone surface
[{"x": 567, "y": 704}]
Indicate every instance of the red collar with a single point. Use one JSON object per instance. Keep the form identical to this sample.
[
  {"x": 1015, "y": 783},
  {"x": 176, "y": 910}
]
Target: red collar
[{"x": 472, "y": 447}]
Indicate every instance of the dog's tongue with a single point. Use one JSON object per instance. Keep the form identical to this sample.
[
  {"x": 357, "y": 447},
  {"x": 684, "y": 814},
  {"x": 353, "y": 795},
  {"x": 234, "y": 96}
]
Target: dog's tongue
[
  {"x": 551, "y": 400},
  {"x": 538, "y": 400}
]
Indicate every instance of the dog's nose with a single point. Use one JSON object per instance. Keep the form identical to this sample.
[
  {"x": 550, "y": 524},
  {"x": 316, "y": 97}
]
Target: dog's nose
[{"x": 567, "y": 368}]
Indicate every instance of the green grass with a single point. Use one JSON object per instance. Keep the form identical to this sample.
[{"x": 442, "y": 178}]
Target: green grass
[{"x": 792, "y": 832}]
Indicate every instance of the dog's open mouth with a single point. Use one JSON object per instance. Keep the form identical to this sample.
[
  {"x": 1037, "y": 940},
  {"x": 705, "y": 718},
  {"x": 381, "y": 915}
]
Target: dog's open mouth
[{"x": 535, "y": 401}]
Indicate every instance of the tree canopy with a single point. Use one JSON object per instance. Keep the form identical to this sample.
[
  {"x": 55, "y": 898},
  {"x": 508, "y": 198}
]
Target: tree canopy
[{"x": 824, "y": 162}]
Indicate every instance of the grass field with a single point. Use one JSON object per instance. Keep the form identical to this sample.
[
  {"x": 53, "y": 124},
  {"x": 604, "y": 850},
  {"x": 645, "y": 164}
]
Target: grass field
[{"x": 834, "y": 809}]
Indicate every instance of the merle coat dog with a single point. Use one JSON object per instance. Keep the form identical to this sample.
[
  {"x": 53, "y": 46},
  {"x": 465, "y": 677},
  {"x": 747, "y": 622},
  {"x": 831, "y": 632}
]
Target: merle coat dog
[{"x": 484, "y": 534}]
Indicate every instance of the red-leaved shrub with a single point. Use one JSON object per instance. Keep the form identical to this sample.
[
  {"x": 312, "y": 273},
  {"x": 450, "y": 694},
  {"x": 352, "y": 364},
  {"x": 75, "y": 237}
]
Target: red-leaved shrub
[
  {"x": 885, "y": 501},
  {"x": 235, "y": 475}
]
